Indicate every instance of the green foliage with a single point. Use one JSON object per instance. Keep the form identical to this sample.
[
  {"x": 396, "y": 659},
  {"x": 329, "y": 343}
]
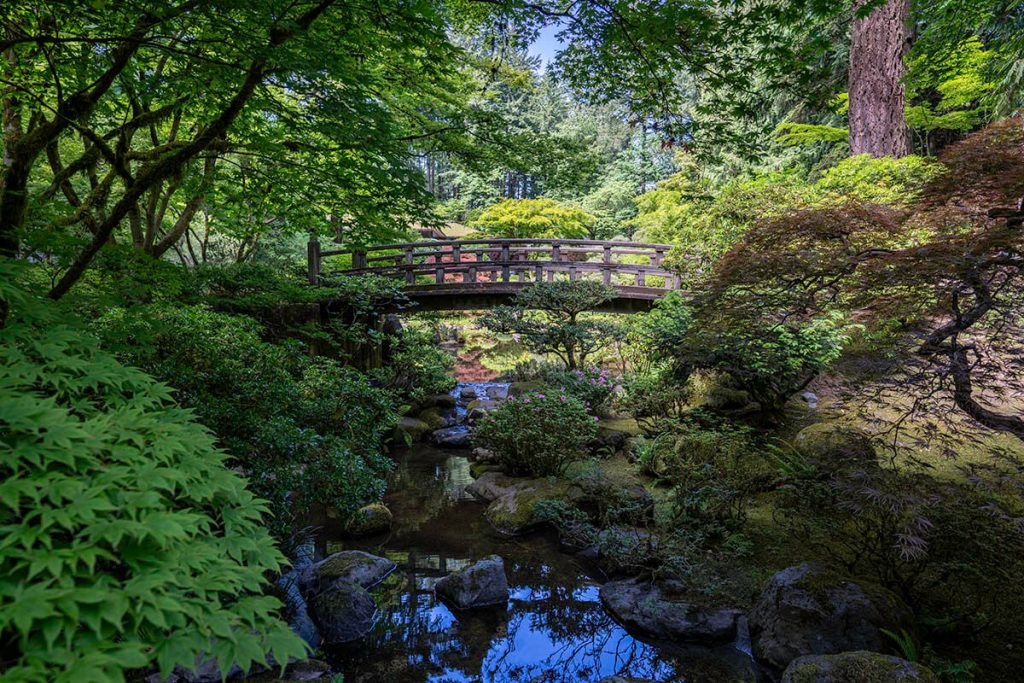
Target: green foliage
[
  {"x": 771, "y": 362},
  {"x": 417, "y": 366},
  {"x": 593, "y": 386},
  {"x": 534, "y": 218},
  {"x": 537, "y": 435},
  {"x": 806, "y": 133},
  {"x": 888, "y": 181},
  {"x": 292, "y": 423},
  {"x": 128, "y": 541},
  {"x": 951, "y": 91},
  {"x": 704, "y": 219},
  {"x": 653, "y": 396},
  {"x": 714, "y": 471},
  {"x": 548, "y": 317}
]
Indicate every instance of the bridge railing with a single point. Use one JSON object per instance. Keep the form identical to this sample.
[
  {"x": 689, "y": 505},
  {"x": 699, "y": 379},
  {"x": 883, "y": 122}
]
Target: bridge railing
[{"x": 500, "y": 260}]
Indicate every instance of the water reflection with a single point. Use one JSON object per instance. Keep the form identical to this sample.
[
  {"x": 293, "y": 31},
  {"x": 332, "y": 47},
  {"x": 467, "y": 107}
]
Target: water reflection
[{"x": 553, "y": 629}]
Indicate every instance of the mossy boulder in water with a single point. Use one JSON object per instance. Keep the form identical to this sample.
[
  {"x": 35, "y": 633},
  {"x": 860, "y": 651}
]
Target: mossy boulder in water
[
  {"x": 479, "y": 585},
  {"x": 344, "y": 612},
  {"x": 646, "y": 609},
  {"x": 442, "y": 401},
  {"x": 412, "y": 429},
  {"x": 350, "y": 566},
  {"x": 832, "y": 446},
  {"x": 862, "y": 666},
  {"x": 808, "y": 610},
  {"x": 433, "y": 418},
  {"x": 369, "y": 520}
]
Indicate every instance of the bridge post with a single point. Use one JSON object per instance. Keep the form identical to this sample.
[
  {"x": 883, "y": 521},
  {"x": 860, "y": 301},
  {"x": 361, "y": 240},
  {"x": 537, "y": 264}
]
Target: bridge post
[
  {"x": 505, "y": 273},
  {"x": 470, "y": 276},
  {"x": 606, "y": 275},
  {"x": 659, "y": 254},
  {"x": 456, "y": 254},
  {"x": 313, "y": 258},
  {"x": 572, "y": 274},
  {"x": 556, "y": 251},
  {"x": 538, "y": 272},
  {"x": 359, "y": 259},
  {"x": 410, "y": 276},
  {"x": 641, "y": 279}
]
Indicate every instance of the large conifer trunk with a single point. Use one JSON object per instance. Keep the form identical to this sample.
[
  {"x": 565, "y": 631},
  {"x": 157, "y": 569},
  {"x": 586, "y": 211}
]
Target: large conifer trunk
[{"x": 878, "y": 47}]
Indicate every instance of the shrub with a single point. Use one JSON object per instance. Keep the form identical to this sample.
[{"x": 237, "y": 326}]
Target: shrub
[
  {"x": 548, "y": 316},
  {"x": 893, "y": 182},
  {"x": 769, "y": 361},
  {"x": 714, "y": 472},
  {"x": 652, "y": 397},
  {"x": 593, "y": 386},
  {"x": 128, "y": 542},
  {"x": 292, "y": 423},
  {"x": 417, "y": 366},
  {"x": 538, "y": 434}
]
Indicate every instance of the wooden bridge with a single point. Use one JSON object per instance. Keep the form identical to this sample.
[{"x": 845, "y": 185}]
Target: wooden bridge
[{"x": 481, "y": 273}]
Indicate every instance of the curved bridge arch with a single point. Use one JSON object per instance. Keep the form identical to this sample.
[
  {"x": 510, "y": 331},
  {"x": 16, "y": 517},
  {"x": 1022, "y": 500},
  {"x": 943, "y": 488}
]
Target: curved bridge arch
[{"x": 482, "y": 273}]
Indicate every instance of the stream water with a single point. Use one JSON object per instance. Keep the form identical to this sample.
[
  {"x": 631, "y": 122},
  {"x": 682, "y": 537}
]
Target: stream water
[{"x": 553, "y": 627}]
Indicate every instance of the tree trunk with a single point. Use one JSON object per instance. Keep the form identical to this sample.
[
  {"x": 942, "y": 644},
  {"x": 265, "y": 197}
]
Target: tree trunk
[{"x": 878, "y": 47}]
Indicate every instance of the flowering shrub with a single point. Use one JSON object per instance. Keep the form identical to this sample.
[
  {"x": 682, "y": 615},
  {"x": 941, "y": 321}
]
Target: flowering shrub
[
  {"x": 537, "y": 434},
  {"x": 593, "y": 386}
]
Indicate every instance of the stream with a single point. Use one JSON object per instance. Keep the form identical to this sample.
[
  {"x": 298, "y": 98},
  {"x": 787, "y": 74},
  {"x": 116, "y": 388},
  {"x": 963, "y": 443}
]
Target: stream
[{"x": 553, "y": 627}]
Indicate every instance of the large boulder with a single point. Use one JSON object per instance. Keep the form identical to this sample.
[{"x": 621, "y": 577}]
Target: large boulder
[
  {"x": 369, "y": 520},
  {"x": 832, "y": 446},
  {"x": 808, "y": 610},
  {"x": 433, "y": 418},
  {"x": 515, "y": 513},
  {"x": 497, "y": 392},
  {"x": 479, "y": 585},
  {"x": 479, "y": 408},
  {"x": 605, "y": 497},
  {"x": 344, "y": 612},
  {"x": 647, "y": 609},
  {"x": 452, "y": 437},
  {"x": 412, "y": 429},
  {"x": 490, "y": 486},
  {"x": 864, "y": 667},
  {"x": 347, "y": 566},
  {"x": 442, "y": 401}
]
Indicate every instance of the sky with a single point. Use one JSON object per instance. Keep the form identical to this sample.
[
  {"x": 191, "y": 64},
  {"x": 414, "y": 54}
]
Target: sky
[{"x": 547, "y": 44}]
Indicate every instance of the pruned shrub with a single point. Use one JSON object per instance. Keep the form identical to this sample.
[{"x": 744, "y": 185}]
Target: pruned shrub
[{"x": 537, "y": 435}]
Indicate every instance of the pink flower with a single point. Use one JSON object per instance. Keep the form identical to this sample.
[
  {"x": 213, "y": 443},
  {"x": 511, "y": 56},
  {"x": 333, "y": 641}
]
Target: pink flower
[
  {"x": 562, "y": 399},
  {"x": 541, "y": 396}
]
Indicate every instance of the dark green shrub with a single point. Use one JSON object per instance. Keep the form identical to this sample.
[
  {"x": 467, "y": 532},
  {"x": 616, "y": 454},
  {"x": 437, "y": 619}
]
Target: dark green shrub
[
  {"x": 292, "y": 423},
  {"x": 538, "y": 434},
  {"x": 714, "y": 472},
  {"x": 418, "y": 367},
  {"x": 128, "y": 542}
]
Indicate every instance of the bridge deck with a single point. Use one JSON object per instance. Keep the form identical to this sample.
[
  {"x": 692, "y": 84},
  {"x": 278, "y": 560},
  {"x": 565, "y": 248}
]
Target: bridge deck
[{"x": 471, "y": 274}]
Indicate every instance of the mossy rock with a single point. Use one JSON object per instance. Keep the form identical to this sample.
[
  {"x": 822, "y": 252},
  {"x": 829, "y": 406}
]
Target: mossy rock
[
  {"x": 351, "y": 566},
  {"x": 811, "y": 610},
  {"x": 432, "y": 418},
  {"x": 441, "y": 401},
  {"x": 832, "y": 446},
  {"x": 515, "y": 513},
  {"x": 369, "y": 519},
  {"x": 415, "y": 429},
  {"x": 859, "y": 666},
  {"x": 714, "y": 391}
]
